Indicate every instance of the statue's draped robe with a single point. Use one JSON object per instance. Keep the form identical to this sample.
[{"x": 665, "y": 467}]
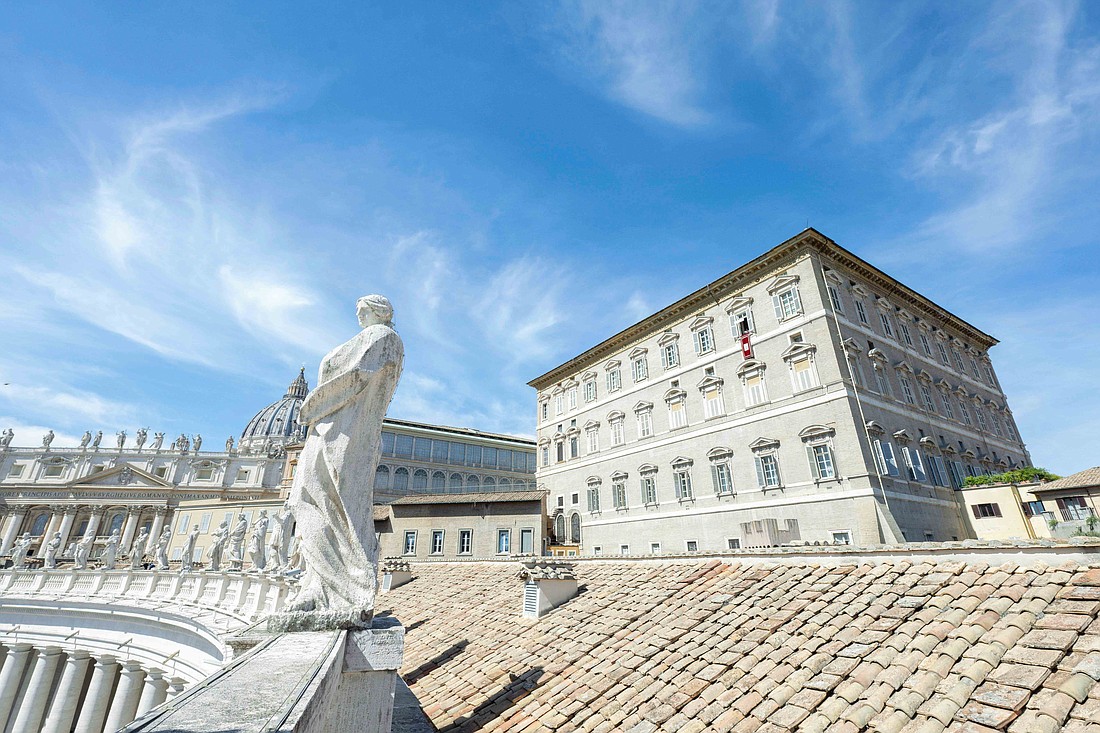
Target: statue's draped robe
[{"x": 333, "y": 491}]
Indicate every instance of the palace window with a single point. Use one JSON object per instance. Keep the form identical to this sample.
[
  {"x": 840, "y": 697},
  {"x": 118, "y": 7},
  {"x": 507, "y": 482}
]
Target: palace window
[
  {"x": 926, "y": 396},
  {"x": 182, "y": 526},
  {"x": 713, "y": 405},
  {"x": 205, "y": 473},
  {"x": 691, "y": 545},
  {"x": 649, "y": 489},
  {"x": 545, "y": 406},
  {"x": 943, "y": 354},
  {"x": 645, "y": 423},
  {"x": 980, "y": 413},
  {"x": 575, "y": 528},
  {"x": 882, "y": 381},
  {"x": 956, "y": 471},
  {"x": 914, "y": 466},
  {"x": 983, "y": 511},
  {"x": 670, "y": 355},
  {"x": 733, "y": 543},
  {"x": 593, "y": 439},
  {"x": 741, "y": 322},
  {"x": 964, "y": 412},
  {"x": 924, "y": 343},
  {"x": 756, "y": 391},
  {"x": 614, "y": 380},
  {"x": 401, "y": 479},
  {"x": 907, "y": 390},
  {"x": 1074, "y": 508},
  {"x": 420, "y": 480},
  {"x": 571, "y": 395},
  {"x": 861, "y": 312},
  {"x": 639, "y": 369},
  {"x": 821, "y": 461},
  {"x": 989, "y": 378},
  {"x": 618, "y": 494},
  {"x": 723, "y": 479},
  {"x": 885, "y": 458},
  {"x": 677, "y": 414},
  {"x": 617, "y": 432},
  {"x": 958, "y": 361},
  {"x": 834, "y": 298},
  {"x": 886, "y": 327},
  {"x": 803, "y": 374},
  {"x": 787, "y": 304},
  {"x": 947, "y": 409},
  {"x": 767, "y": 471},
  {"x": 574, "y": 447},
  {"x": 546, "y": 455},
  {"x": 16, "y": 470},
  {"x": 905, "y": 335},
  {"x": 594, "y": 499},
  {"x": 437, "y": 542},
  {"x": 590, "y": 390},
  {"x": 681, "y": 477},
  {"x": 465, "y": 541},
  {"x": 704, "y": 340},
  {"x": 504, "y": 541},
  {"x": 410, "y": 542}
]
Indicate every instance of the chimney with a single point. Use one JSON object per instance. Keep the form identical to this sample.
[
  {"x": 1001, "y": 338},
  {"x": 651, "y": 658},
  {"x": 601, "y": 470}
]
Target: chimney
[
  {"x": 395, "y": 573},
  {"x": 546, "y": 585}
]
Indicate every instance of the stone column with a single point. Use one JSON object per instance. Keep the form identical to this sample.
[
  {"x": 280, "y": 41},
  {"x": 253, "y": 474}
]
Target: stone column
[
  {"x": 130, "y": 528},
  {"x": 51, "y": 527},
  {"x": 14, "y": 523},
  {"x": 11, "y": 676},
  {"x": 124, "y": 705},
  {"x": 154, "y": 693},
  {"x": 96, "y": 700},
  {"x": 66, "y": 527},
  {"x": 63, "y": 710},
  {"x": 93, "y": 521},
  {"x": 158, "y": 525},
  {"x": 28, "y": 718}
]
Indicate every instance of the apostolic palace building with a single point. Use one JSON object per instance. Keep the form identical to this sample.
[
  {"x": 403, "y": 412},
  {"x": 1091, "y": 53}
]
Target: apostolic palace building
[{"x": 807, "y": 396}]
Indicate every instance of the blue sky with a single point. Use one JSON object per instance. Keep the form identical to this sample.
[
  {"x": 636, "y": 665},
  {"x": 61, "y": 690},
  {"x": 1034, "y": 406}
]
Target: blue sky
[{"x": 192, "y": 197}]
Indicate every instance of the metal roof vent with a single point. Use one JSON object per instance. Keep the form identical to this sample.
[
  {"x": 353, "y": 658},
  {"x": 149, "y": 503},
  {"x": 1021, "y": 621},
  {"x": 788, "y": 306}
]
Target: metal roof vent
[{"x": 546, "y": 585}]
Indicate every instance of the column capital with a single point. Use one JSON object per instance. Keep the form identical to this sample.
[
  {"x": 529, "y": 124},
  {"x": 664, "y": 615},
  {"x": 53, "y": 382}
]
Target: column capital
[
  {"x": 45, "y": 651},
  {"x": 70, "y": 508},
  {"x": 98, "y": 510},
  {"x": 161, "y": 511},
  {"x": 78, "y": 655}
]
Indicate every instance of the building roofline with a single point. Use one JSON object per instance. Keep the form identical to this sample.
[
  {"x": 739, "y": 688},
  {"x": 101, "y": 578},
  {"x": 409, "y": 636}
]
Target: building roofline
[
  {"x": 720, "y": 288},
  {"x": 475, "y": 497},
  {"x": 467, "y": 432}
]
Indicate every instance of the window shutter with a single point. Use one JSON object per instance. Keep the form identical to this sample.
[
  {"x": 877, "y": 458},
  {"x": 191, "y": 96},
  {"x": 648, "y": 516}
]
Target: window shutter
[
  {"x": 974, "y": 509},
  {"x": 714, "y": 478},
  {"x": 797, "y": 300},
  {"x": 813, "y": 462},
  {"x": 778, "y": 308},
  {"x": 996, "y": 510},
  {"x": 760, "y": 473},
  {"x": 677, "y": 481},
  {"x": 695, "y": 340}
]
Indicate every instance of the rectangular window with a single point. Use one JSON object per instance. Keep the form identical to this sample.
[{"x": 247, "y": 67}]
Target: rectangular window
[
  {"x": 884, "y": 455},
  {"x": 767, "y": 471},
  {"x": 886, "y": 328},
  {"x": 956, "y": 471},
  {"x": 527, "y": 541},
  {"x": 593, "y": 499},
  {"x": 882, "y": 381},
  {"x": 861, "y": 312},
  {"x": 574, "y": 447},
  {"x": 974, "y": 369},
  {"x": 204, "y": 523},
  {"x": 924, "y": 343},
  {"x": 787, "y": 304},
  {"x": 617, "y": 433},
  {"x": 982, "y": 511},
  {"x": 964, "y": 412},
  {"x": 546, "y": 455},
  {"x": 649, "y": 490},
  {"x": 733, "y": 543},
  {"x": 624, "y": 549},
  {"x": 755, "y": 389},
  {"x": 184, "y": 525},
  {"x": 204, "y": 474},
  {"x": 713, "y": 405},
  {"x": 905, "y": 335},
  {"x": 437, "y": 542},
  {"x": 943, "y": 354},
  {"x": 410, "y": 542},
  {"x": 54, "y": 470},
  {"x": 654, "y": 548},
  {"x": 618, "y": 495},
  {"x": 958, "y": 361},
  {"x": 935, "y": 471},
  {"x": 545, "y": 410},
  {"x": 575, "y": 497},
  {"x": 670, "y": 355},
  {"x": 907, "y": 390},
  {"x": 425, "y": 450},
  {"x": 980, "y": 413},
  {"x": 704, "y": 340},
  {"x": 504, "y": 541},
  {"x": 834, "y": 298},
  {"x": 842, "y": 538},
  {"x": 614, "y": 380},
  {"x": 914, "y": 466},
  {"x": 465, "y": 541},
  {"x": 805, "y": 376},
  {"x": 645, "y": 424},
  {"x": 593, "y": 440},
  {"x": 692, "y": 545},
  {"x": 640, "y": 369},
  {"x": 989, "y": 378},
  {"x": 683, "y": 485},
  {"x": 723, "y": 479},
  {"x": 590, "y": 390},
  {"x": 677, "y": 415},
  {"x": 947, "y": 409},
  {"x": 242, "y": 476},
  {"x": 559, "y": 404},
  {"x": 926, "y": 397},
  {"x": 177, "y": 553},
  {"x": 571, "y": 396},
  {"x": 16, "y": 470},
  {"x": 741, "y": 322},
  {"x": 1033, "y": 508},
  {"x": 821, "y": 461}
]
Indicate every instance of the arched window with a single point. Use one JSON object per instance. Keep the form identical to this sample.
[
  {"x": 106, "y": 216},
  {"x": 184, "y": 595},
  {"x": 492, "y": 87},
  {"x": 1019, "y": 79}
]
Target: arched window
[
  {"x": 38, "y": 528},
  {"x": 439, "y": 481},
  {"x": 456, "y": 483},
  {"x": 489, "y": 482},
  {"x": 401, "y": 479},
  {"x": 382, "y": 478},
  {"x": 559, "y": 529},
  {"x": 575, "y": 528},
  {"x": 420, "y": 480},
  {"x": 505, "y": 484},
  {"x": 472, "y": 483},
  {"x": 116, "y": 522}
]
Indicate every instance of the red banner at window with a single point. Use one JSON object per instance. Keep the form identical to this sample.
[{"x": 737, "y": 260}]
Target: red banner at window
[{"x": 746, "y": 346}]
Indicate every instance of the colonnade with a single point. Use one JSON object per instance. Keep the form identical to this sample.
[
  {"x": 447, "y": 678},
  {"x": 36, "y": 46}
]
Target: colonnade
[
  {"x": 18, "y": 519},
  {"x": 51, "y": 689}
]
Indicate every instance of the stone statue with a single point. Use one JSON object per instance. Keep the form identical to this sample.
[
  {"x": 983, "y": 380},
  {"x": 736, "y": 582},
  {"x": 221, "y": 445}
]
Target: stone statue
[
  {"x": 158, "y": 441},
  {"x": 70, "y": 551},
  {"x": 137, "y": 550},
  {"x": 221, "y": 534},
  {"x": 198, "y": 442},
  {"x": 331, "y": 501},
  {"x": 188, "y": 557},
  {"x": 82, "y": 550},
  {"x": 139, "y": 438},
  {"x": 50, "y": 561},
  {"x": 109, "y": 558},
  {"x": 256, "y": 541},
  {"x": 279, "y": 544},
  {"x": 120, "y": 439},
  {"x": 229, "y": 444},
  {"x": 19, "y": 551},
  {"x": 96, "y": 441},
  {"x": 183, "y": 443},
  {"x": 85, "y": 439},
  {"x": 236, "y": 543},
  {"x": 6, "y": 438},
  {"x": 47, "y": 439},
  {"x": 162, "y": 548}
]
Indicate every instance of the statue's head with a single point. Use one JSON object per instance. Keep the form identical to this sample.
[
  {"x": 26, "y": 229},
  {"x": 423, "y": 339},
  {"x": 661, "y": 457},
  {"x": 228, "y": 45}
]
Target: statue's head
[{"x": 372, "y": 309}]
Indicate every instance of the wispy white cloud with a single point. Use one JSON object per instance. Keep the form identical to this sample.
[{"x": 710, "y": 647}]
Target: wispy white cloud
[
  {"x": 642, "y": 55},
  {"x": 31, "y": 434}
]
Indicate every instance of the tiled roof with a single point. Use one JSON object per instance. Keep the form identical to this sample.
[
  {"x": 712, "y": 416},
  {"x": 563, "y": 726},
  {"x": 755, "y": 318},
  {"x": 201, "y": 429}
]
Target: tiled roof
[
  {"x": 473, "y": 497},
  {"x": 1081, "y": 479},
  {"x": 709, "y": 645},
  {"x": 381, "y": 512}
]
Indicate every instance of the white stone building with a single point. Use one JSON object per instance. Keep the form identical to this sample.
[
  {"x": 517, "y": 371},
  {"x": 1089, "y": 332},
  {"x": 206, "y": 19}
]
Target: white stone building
[{"x": 805, "y": 396}]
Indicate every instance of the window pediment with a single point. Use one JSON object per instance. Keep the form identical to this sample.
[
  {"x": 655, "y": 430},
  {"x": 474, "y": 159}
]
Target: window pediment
[
  {"x": 572, "y": 431},
  {"x": 592, "y": 425},
  {"x": 588, "y": 376},
  {"x": 619, "y": 476},
  {"x": 638, "y": 351},
  {"x": 874, "y": 428},
  {"x": 681, "y": 462},
  {"x": 800, "y": 349},
  {"x": 750, "y": 365},
  {"x": 924, "y": 376},
  {"x": 943, "y": 384},
  {"x": 643, "y": 407},
  {"x": 739, "y": 303},
  {"x": 906, "y": 315},
  {"x": 948, "y": 449},
  {"x": 929, "y": 444},
  {"x": 968, "y": 454},
  {"x": 961, "y": 392},
  {"x": 851, "y": 345},
  {"x": 668, "y": 338},
  {"x": 903, "y": 366},
  {"x": 710, "y": 381},
  {"x": 675, "y": 394},
  {"x": 593, "y": 480},
  {"x": 613, "y": 364},
  {"x": 544, "y": 441},
  {"x": 902, "y": 437},
  {"x": 764, "y": 443},
  {"x": 558, "y": 390},
  {"x": 615, "y": 415},
  {"x": 700, "y": 322},
  {"x": 782, "y": 283},
  {"x": 719, "y": 453},
  {"x": 647, "y": 468},
  {"x": 569, "y": 383},
  {"x": 877, "y": 355},
  {"x": 834, "y": 277},
  {"x": 884, "y": 305},
  {"x": 859, "y": 291},
  {"x": 816, "y": 431}
]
